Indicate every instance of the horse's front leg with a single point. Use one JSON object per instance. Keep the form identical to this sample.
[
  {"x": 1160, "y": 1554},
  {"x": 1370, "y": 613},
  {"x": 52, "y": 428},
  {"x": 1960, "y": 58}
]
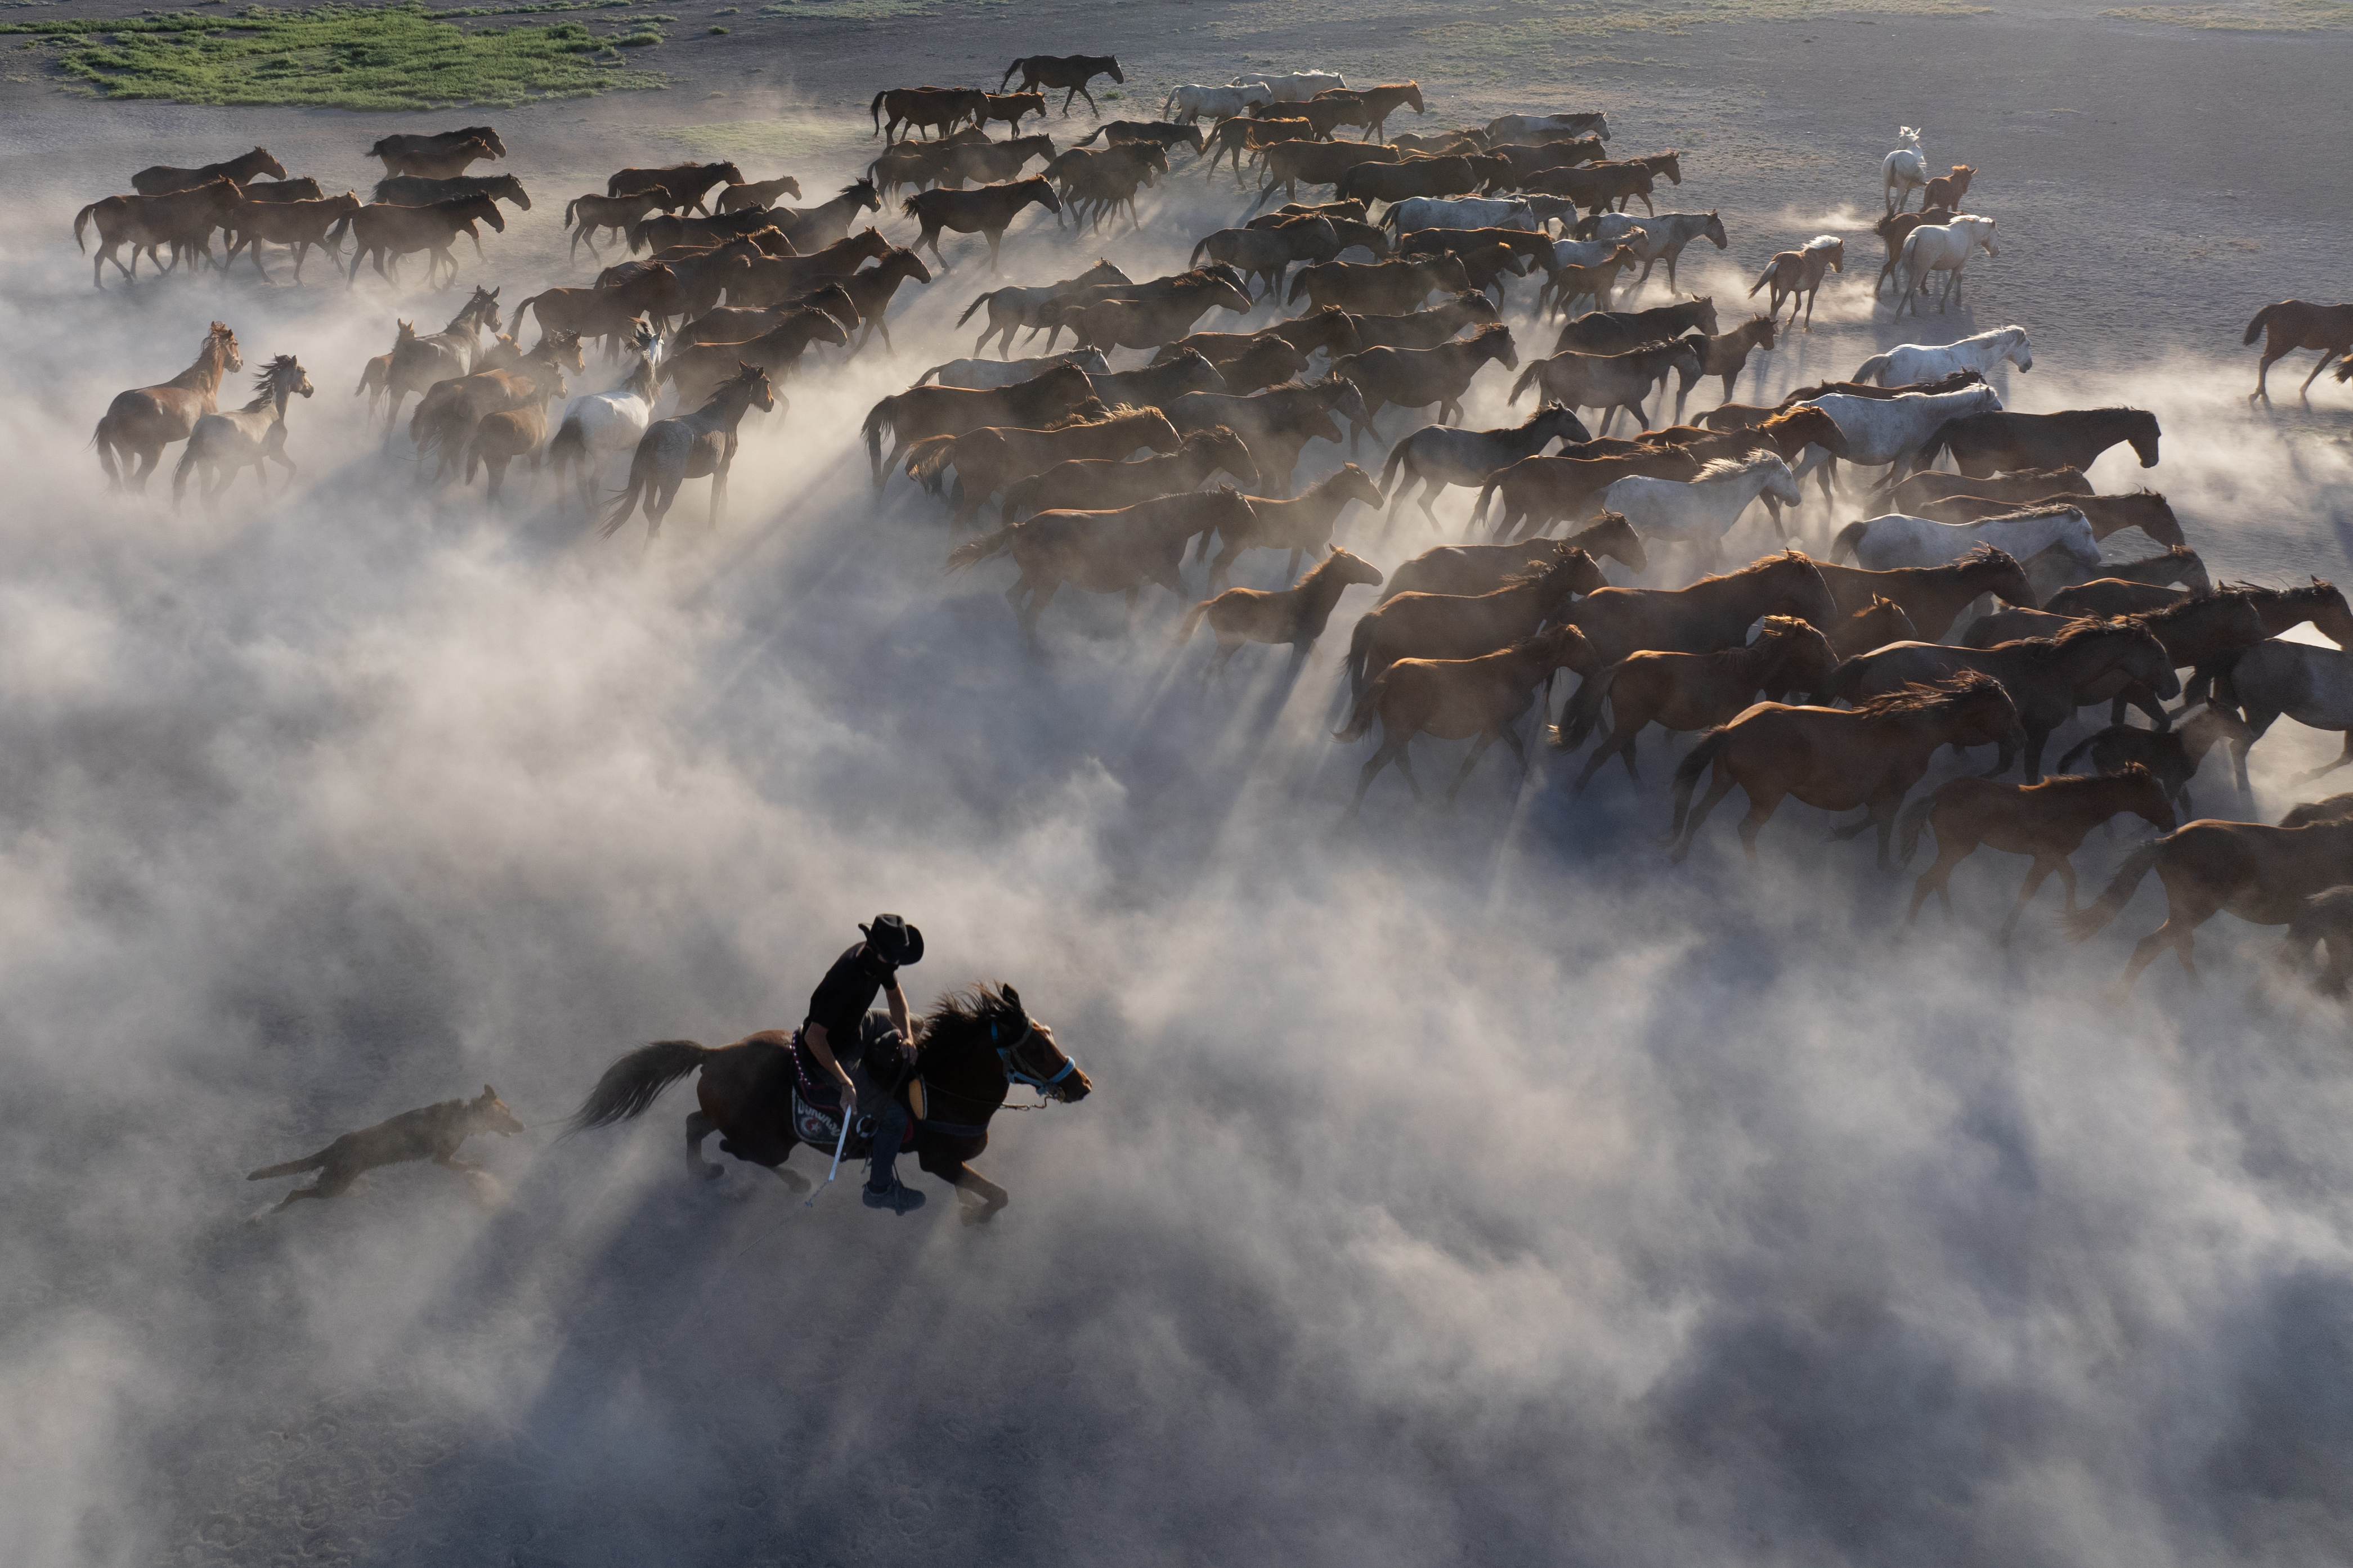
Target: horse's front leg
[{"x": 978, "y": 1197}]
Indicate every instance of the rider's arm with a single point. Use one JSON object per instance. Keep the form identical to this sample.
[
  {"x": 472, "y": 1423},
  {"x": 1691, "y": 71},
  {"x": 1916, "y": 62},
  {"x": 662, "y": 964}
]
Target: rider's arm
[
  {"x": 820, "y": 1048},
  {"x": 896, "y": 1000}
]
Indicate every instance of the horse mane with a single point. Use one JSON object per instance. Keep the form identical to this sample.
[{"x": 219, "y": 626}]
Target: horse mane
[
  {"x": 1987, "y": 554},
  {"x": 2041, "y": 650},
  {"x": 972, "y": 1006},
  {"x": 1821, "y": 242},
  {"x": 1928, "y": 698},
  {"x": 2028, "y": 514},
  {"x": 1729, "y": 468},
  {"x": 2253, "y": 591}
]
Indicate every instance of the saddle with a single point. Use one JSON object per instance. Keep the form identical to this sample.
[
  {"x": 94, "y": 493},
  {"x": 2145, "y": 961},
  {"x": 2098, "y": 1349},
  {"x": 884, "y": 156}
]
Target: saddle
[{"x": 818, "y": 1111}]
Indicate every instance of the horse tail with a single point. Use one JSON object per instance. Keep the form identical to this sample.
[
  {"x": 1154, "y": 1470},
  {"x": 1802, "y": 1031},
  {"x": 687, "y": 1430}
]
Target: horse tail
[
  {"x": 2254, "y": 328},
  {"x": 632, "y": 1084},
  {"x": 1194, "y": 260},
  {"x": 1583, "y": 710},
  {"x": 871, "y": 431},
  {"x": 570, "y": 445},
  {"x": 569, "y": 208},
  {"x": 82, "y": 217},
  {"x": 1478, "y": 511},
  {"x": 1687, "y": 772},
  {"x": 928, "y": 459},
  {"x": 2067, "y": 763},
  {"x": 1359, "y": 655},
  {"x": 2088, "y": 921},
  {"x": 875, "y": 108},
  {"x": 1398, "y": 456},
  {"x": 1536, "y": 369},
  {"x": 1915, "y": 818},
  {"x": 972, "y": 552},
  {"x": 1192, "y": 621},
  {"x": 1765, "y": 277},
  {"x": 975, "y": 305},
  {"x": 1875, "y": 368},
  {"x": 292, "y": 1167},
  {"x": 514, "y": 319},
  {"x": 335, "y": 232},
  {"x": 1930, "y": 450},
  {"x": 641, "y": 477},
  {"x": 104, "y": 441},
  {"x": 1298, "y": 286},
  {"x": 2215, "y": 677},
  {"x": 1368, "y": 703},
  {"x": 1849, "y": 540}
]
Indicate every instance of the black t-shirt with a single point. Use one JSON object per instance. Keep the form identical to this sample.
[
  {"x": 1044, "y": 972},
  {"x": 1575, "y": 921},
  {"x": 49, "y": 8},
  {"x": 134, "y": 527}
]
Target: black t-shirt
[{"x": 845, "y": 995}]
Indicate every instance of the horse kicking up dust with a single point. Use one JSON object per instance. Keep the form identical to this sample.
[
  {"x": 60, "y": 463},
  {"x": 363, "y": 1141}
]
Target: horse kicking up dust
[{"x": 431, "y": 1133}]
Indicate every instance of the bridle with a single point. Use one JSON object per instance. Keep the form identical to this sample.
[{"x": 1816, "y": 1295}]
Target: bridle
[{"x": 1009, "y": 1058}]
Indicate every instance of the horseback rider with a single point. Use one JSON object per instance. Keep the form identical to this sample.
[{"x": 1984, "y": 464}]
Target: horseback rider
[{"x": 840, "y": 1021}]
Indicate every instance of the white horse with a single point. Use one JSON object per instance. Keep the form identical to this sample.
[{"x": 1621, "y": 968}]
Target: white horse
[
  {"x": 1193, "y": 101},
  {"x": 1301, "y": 85},
  {"x": 597, "y": 425},
  {"x": 223, "y": 445},
  {"x": 1465, "y": 212},
  {"x": 1941, "y": 247},
  {"x": 1921, "y": 362},
  {"x": 1878, "y": 430},
  {"x": 1904, "y": 171},
  {"x": 1701, "y": 511},
  {"x": 1884, "y": 543}
]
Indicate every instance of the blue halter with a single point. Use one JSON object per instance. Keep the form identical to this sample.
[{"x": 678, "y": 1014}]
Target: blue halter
[{"x": 1015, "y": 1072}]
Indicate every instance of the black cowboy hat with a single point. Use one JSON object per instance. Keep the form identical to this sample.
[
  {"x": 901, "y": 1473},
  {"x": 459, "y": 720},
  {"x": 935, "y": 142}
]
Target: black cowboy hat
[{"x": 895, "y": 941}]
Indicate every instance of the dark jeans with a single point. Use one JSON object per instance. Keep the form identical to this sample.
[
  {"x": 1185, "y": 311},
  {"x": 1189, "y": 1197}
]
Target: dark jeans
[{"x": 879, "y": 1046}]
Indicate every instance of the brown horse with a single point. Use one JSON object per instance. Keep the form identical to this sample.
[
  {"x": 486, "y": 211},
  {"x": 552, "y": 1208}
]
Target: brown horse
[
  {"x": 1895, "y": 228},
  {"x": 1687, "y": 691},
  {"x": 1450, "y": 626},
  {"x": 1877, "y": 624},
  {"x": 2034, "y": 484},
  {"x": 1613, "y": 381},
  {"x": 739, "y": 194},
  {"x": 1568, "y": 284},
  {"x": 772, "y": 280},
  {"x": 1725, "y": 354},
  {"x": 1103, "y": 551},
  {"x": 141, "y": 423},
  {"x": 1377, "y": 288},
  {"x": 1416, "y": 378},
  {"x": 2043, "y": 676},
  {"x": 870, "y": 291},
  {"x": 1472, "y": 569},
  {"x": 1091, "y": 481},
  {"x": 1533, "y": 493},
  {"x": 926, "y": 109},
  {"x": 971, "y": 1049},
  {"x": 2171, "y": 756},
  {"x": 1109, "y": 324},
  {"x": 223, "y": 445},
  {"x": 1297, "y": 615},
  {"x": 697, "y": 371},
  {"x": 1069, "y": 71},
  {"x": 2259, "y": 873},
  {"x": 607, "y": 313},
  {"x": 2145, "y": 510},
  {"x": 1277, "y": 423},
  {"x": 1423, "y": 328},
  {"x": 1291, "y": 157},
  {"x": 1838, "y": 758},
  {"x": 180, "y": 219},
  {"x": 676, "y": 186},
  {"x": 450, "y": 411},
  {"x": 584, "y": 215},
  {"x": 1458, "y": 698},
  {"x": 1013, "y": 108},
  {"x": 2293, "y": 324},
  {"x": 925, "y": 411},
  {"x": 2135, "y": 596},
  {"x": 163, "y": 178},
  {"x": 1617, "y": 332},
  {"x": 988, "y": 459},
  {"x": 297, "y": 224},
  {"x": 989, "y": 211},
  {"x": 1370, "y": 107},
  {"x": 674, "y": 450},
  {"x": 1794, "y": 272},
  {"x": 389, "y": 232},
  {"x": 1302, "y": 524},
  {"x": 1932, "y": 596},
  {"x": 417, "y": 362},
  {"x": 399, "y": 153},
  {"x": 2004, "y": 442},
  {"x": 509, "y": 434},
  {"x": 2047, "y": 820}
]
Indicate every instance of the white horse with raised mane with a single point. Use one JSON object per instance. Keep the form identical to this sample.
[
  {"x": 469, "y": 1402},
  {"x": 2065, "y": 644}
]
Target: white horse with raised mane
[
  {"x": 597, "y": 425},
  {"x": 1941, "y": 247},
  {"x": 1301, "y": 85},
  {"x": 1701, "y": 511},
  {"x": 1903, "y": 365},
  {"x": 1193, "y": 101},
  {"x": 1904, "y": 171},
  {"x": 1896, "y": 540},
  {"x": 1459, "y": 212}
]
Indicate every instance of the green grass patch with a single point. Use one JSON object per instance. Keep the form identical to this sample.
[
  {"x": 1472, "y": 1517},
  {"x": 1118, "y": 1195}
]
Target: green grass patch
[
  {"x": 348, "y": 57},
  {"x": 2261, "y": 17}
]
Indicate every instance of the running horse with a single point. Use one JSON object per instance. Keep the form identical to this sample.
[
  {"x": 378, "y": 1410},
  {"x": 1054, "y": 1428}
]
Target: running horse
[
  {"x": 2293, "y": 324},
  {"x": 141, "y": 423},
  {"x": 971, "y": 1049},
  {"x": 1071, "y": 71}
]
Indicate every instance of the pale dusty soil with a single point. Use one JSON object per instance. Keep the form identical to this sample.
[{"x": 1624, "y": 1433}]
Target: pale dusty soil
[{"x": 596, "y": 1368}]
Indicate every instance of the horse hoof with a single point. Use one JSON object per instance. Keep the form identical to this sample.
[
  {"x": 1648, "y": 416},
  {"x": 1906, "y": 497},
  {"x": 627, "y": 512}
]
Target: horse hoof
[{"x": 711, "y": 1172}]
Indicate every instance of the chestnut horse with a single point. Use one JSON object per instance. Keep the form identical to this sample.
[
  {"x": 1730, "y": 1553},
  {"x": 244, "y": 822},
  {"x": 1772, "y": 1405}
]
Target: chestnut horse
[
  {"x": 1456, "y": 699},
  {"x": 1296, "y": 615},
  {"x": 2293, "y": 324},
  {"x": 2261, "y": 874},
  {"x": 142, "y": 422},
  {"x": 1103, "y": 551},
  {"x": 1838, "y": 758},
  {"x": 971, "y": 1049},
  {"x": 1074, "y": 72},
  {"x": 1686, "y": 692},
  {"x": 2047, "y": 820}
]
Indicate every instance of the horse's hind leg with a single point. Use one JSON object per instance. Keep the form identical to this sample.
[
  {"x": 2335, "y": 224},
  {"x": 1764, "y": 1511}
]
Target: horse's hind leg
[
  {"x": 2042, "y": 868},
  {"x": 698, "y": 1168},
  {"x": 2327, "y": 357},
  {"x": 978, "y": 1197}
]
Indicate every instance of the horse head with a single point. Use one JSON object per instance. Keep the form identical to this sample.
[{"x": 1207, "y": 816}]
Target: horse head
[
  {"x": 2144, "y": 437},
  {"x": 1799, "y": 584},
  {"x": 1349, "y": 567},
  {"x": 1557, "y": 419}
]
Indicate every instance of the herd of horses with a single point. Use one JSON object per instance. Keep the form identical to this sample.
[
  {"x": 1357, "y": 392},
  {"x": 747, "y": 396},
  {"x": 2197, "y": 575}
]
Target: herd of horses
[{"x": 1972, "y": 608}]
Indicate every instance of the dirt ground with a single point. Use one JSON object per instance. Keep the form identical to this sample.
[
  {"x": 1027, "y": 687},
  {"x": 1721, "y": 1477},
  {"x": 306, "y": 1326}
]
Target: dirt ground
[{"x": 1458, "y": 1189}]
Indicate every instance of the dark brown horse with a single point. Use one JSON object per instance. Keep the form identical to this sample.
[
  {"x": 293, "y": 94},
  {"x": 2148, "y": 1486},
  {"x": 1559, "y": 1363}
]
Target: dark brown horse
[
  {"x": 697, "y": 445},
  {"x": 989, "y": 211},
  {"x": 180, "y": 219},
  {"x": 923, "y": 411},
  {"x": 1100, "y": 483},
  {"x": 400, "y": 152},
  {"x": 2005, "y": 442},
  {"x": 1103, "y": 551},
  {"x": 926, "y": 108},
  {"x": 1482, "y": 696},
  {"x": 1447, "y": 626},
  {"x": 2145, "y": 510},
  {"x": 2293, "y": 324},
  {"x": 1069, "y": 71},
  {"x": 413, "y": 191},
  {"x": 1932, "y": 597},
  {"x": 1277, "y": 423},
  {"x": 388, "y": 233},
  {"x": 2048, "y": 821},
  {"x": 245, "y": 167},
  {"x": 2259, "y": 873},
  {"x": 971, "y": 1049}
]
